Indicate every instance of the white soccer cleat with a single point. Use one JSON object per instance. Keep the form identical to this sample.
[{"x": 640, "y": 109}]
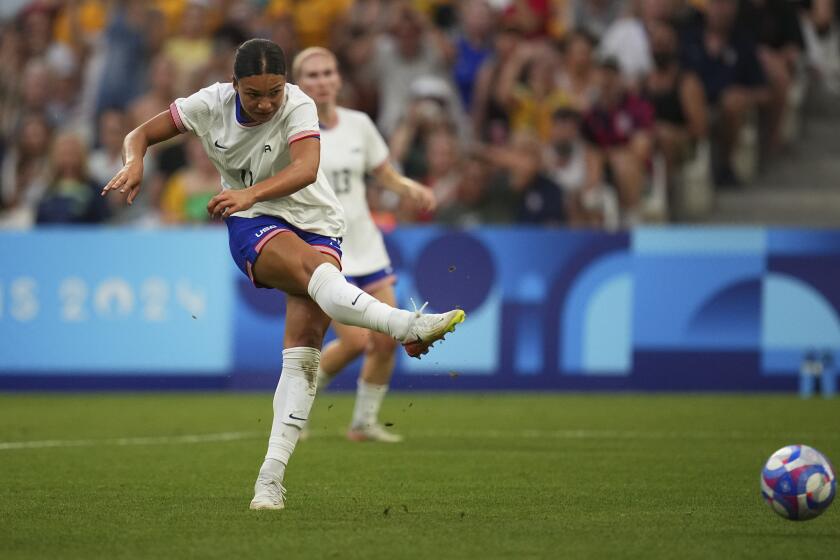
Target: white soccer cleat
[
  {"x": 373, "y": 432},
  {"x": 269, "y": 493},
  {"x": 425, "y": 330}
]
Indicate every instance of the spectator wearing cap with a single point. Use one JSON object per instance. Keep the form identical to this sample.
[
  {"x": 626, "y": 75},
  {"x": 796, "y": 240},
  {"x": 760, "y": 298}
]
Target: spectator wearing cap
[
  {"x": 620, "y": 126},
  {"x": 440, "y": 91},
  {"x": 434, "y": 105},
  {"x": 428, "y": 113},
  {"x": 725, "y": 58}
]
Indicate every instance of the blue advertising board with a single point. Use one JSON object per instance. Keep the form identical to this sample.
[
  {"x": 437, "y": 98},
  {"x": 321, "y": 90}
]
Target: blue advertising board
[
  {"x": 105, "y": 302},
  {"x": 655, "y": 309}
]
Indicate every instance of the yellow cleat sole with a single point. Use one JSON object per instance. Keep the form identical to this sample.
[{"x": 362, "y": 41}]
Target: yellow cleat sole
[
  {"x": 418, "y": 349},
  {"x": 459, "y": 317}
]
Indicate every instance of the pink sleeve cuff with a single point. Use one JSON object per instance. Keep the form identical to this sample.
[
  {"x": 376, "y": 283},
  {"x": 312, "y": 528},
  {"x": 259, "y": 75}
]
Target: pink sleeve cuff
[
  {"x": 304, "y": 134},
  {"x": 176, "y": 117}
]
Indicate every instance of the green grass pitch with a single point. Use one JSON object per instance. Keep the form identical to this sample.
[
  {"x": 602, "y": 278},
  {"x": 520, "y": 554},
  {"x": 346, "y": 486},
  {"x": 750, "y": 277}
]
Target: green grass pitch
[{"x": 479, "y": 476}]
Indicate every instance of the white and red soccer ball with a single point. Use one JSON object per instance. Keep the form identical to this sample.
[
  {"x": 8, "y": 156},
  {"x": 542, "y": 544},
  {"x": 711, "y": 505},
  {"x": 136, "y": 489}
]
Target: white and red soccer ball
[{"x": 798, "y": 482}]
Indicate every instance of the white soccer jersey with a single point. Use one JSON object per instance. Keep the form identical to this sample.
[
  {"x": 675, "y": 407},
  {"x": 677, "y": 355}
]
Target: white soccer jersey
[
  {"x": 246, "y": 154},
  {"x": 349, "y": 150}
]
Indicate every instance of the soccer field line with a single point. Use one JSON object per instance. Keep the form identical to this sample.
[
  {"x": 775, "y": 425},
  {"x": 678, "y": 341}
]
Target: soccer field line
[
  {"x": 222, "y": 437},
  {"x": 622, "y": 434},
  {"x": 127, "y": 441}
]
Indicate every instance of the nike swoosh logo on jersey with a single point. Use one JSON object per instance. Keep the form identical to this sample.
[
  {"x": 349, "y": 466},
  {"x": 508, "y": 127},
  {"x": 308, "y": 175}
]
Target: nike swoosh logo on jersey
[
  {"x": 293, "y": 417},
  {"x": 357, "y": 298},
  {"x": 216, "y": 143}
]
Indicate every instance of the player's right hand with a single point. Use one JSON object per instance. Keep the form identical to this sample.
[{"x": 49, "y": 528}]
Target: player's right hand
[{"x": 127, "y": 180}]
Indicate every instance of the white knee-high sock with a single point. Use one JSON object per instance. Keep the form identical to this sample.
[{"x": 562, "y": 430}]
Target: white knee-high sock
[
  {"x": 292, "y": 403},
  {"x": 345, "y": 303},
  {"x": 368, "y": 402}
]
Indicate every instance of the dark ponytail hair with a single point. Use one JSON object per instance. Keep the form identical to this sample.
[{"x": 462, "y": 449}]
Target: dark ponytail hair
[{"x": 258, "y": 56}]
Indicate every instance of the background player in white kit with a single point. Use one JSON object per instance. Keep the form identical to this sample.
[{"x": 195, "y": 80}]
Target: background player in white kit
[
  {"x": 352, "y": 147},
  {"x": 284, "y": 225}
]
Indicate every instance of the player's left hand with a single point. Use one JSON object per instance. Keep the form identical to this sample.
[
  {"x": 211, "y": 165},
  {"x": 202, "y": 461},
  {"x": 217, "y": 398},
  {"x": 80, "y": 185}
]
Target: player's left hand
[
  {"x": 229, "y": 202},
  {"x": 422, "y": 198}
]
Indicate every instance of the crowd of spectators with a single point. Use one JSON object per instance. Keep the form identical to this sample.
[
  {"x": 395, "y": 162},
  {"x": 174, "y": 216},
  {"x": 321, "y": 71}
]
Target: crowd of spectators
[{"x": 592, "y": 113}]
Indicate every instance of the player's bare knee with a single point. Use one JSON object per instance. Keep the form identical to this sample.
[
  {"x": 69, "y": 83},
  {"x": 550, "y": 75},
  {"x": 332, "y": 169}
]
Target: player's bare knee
[{"x": 357, "y": 343}]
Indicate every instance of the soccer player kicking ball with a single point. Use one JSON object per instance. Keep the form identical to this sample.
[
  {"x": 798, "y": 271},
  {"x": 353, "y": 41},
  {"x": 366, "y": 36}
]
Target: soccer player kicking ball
[
  {"x": 351, "y": 147},
  {"x": 284, "y": 226}
]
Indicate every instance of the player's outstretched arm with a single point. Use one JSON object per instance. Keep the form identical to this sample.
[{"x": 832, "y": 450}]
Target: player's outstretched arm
[
  {"x": 157, "y": 129},
  {"x": 422, "y": 197},
  {"x": 305, "y": 157}
]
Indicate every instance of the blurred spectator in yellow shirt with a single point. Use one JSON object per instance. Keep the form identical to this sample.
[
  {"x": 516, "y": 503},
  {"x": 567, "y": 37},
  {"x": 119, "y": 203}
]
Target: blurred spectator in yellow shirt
[
  {"x": 527, "y": 87},
  {"x": 191, "y": 48},
  {"x": 314, "y": 20},
  {"x": 188, "y": 191},
  {"x": 81, "y": 19}
]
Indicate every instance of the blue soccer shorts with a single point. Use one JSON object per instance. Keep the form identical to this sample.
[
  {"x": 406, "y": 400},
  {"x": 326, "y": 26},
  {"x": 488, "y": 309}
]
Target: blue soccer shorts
[
  {"x": 248, "y": 236},
  {"x": 375, "y": 280}
]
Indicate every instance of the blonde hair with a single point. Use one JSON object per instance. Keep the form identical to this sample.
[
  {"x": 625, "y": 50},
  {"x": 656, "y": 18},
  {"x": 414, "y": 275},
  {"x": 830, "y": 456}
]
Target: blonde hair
[{"x": 301, "y": 57}]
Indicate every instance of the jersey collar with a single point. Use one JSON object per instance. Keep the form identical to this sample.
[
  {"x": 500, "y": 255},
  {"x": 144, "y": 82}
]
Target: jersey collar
[{"x": 240, "y": 115}]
